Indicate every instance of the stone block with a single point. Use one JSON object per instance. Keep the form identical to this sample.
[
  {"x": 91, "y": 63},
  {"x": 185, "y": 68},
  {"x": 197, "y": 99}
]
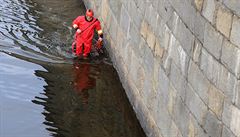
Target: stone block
[
  {"x": 184, "y": 36},
  {"x": 148, "y": 71},
  {"x": 165, "y": 10},
  {"x": 144, "y": 29},
  {"x": 199, "y": 26},
  {"x": 143, "y": 115},
  {"x": 198, "y": 81},
  {"x": 231, "y": 57},
  {"x": 122, "y": 71},
  {"x": 153, "y": 106},
  {"x": 141, "y": 5},
  {"x": 158, "y": 51},
  {"x": 154, "y": 20},
  {"x": 235, "y": 122},
  {"x": 113, "y": 29},
  {"x": 191, "y": 129},
  {"x": 149, "y": 11},
  {"x": 178, "y": 81},
  {"x": 162, "y": 86},
  {"x": 237, "y": 94},
  {"x": 151, "y": 39},
  {"x": 125, "y": 20},
  {"x": 158, "y": 23},
  {"x": 155, "y": 74},
  {"x": 186, "y": 11},
  {"x": 212, "y": 41},
  {"x": 108, "y": 21},
  {"x": 105, "y": 10},
  {"x": 199, "y": 4},
  {"x": 212, "y": 125},
  {"x": 135, "y": 14},
  {"x": 183, "y": 60},
  {"x": 174, "y": 131},
  {"x": 140, "y": 81},
  {"x": 134, "y": 66},
  {"x": 112, "y": 47},
  {"x": 197, "y": 48},
  {"x": 224, "y": 21},
  {"x": 164, "y": 124},
  {"x": 227, "y": 132},
  {"x": 134, "y": 35},
  {"x": 133, "y": 91},
  {"x": 181, "y": 116},
  {"x": 115, "y": 7},
  {"x": 155, "y": 3},
  {"x": 233, "y": 5},
  {"x": 179, "y": 56},
  {"x": 124, "y": 2},
  {"x": 167, "y": 61},
  {"x": 151, "y": 16},
  {"x": 127, "y": 52},
  {"x": 122, "y": 45},
  {"x": 148, "y": 92},
  {"x": 148, "y": 60},
  {"x": 196, "y": 105},
  {"x": 208, "y": 11},
  {"x": 216, "y": 98},
  {"x": 160, "y": 33},
  {"x": 163, "y": 117},
  {"x": 227, "y": 113},
  {"x": 171, "y": 98},
  {"x": 172, "y": 22},
  {"x": 226, "y": 83},
  {"x": 194, "y": 129},
  {"x": 235, "y": 35},
  {"x": 166, "y": 37},
  {"x": 210, "y": 66},
  {"x": 122, "y": 49},
  {"x": 141, "y": 48}
]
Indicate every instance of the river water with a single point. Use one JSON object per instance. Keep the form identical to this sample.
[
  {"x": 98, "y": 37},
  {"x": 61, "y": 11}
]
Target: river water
[{"x": 44, "y": 91}]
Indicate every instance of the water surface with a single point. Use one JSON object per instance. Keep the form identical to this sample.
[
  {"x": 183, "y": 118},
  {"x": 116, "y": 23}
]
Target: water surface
[{"x": 43, "y": 90}]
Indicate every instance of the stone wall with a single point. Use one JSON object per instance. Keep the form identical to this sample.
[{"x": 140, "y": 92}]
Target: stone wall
[{"x": 179, "y": 61}]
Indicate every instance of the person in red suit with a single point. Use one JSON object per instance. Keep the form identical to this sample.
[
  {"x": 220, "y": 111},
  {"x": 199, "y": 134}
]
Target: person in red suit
[{"x": 85, "y": 27}]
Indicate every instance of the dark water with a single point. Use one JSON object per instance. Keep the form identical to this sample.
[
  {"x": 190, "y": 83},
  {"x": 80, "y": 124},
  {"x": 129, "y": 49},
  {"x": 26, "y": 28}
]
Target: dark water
[{"x": 43, "y": 90}]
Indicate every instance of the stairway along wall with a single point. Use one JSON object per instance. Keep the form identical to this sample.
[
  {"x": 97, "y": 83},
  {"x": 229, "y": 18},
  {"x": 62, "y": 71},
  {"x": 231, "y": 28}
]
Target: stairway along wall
[{"x": 179, "y": 62}]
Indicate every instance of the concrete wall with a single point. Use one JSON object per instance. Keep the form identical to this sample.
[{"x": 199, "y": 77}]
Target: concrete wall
[{"x": 179, "y": 61}]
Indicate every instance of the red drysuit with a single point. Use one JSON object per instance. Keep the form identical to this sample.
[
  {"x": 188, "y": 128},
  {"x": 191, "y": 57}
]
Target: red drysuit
[{"x": 83, "y": 40}]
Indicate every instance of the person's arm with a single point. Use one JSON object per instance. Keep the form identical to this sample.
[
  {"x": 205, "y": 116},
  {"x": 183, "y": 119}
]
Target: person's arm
[
  {"x": 75, "y": 24},
  {"x": 99, "y": 31}
]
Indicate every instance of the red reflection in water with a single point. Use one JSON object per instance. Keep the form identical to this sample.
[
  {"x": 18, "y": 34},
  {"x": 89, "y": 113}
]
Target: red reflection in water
[{"x": 83, "y": 80}]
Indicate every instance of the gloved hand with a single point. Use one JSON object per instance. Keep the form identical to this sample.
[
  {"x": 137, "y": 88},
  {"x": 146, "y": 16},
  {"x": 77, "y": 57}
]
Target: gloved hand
[
  {"x": 79, "y": 31},
  {"x": 99, "y": 43}
]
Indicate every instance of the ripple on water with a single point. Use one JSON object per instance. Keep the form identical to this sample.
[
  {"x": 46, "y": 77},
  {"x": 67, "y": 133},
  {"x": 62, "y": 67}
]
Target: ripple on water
[
  {"x": 58, "y": 99},
  {"x": 19, "y": 28}
]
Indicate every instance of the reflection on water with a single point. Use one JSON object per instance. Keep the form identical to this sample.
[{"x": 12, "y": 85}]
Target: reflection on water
[
  {"x": 84, "y": 79},
  {"x": 43, "y": 91},
  {"x": 86, "y": 100}
]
